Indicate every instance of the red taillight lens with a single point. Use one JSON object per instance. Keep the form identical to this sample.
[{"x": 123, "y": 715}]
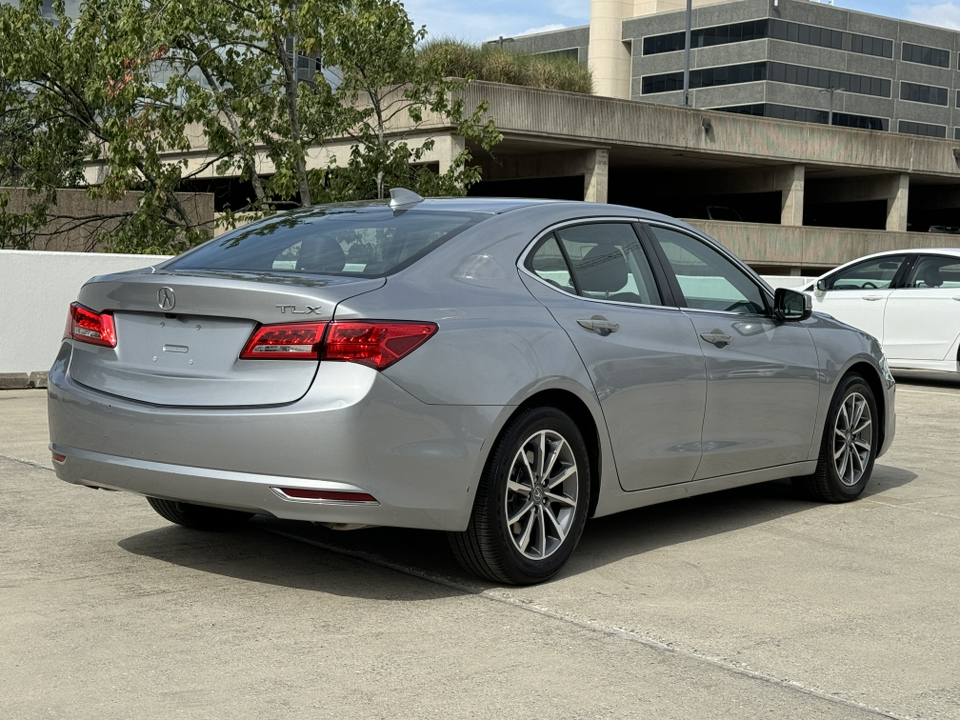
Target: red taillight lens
[
  {"x": 377, "y": 344},
  {"x": 295, "y": 341},
  {"x": 87, "y": 326}
]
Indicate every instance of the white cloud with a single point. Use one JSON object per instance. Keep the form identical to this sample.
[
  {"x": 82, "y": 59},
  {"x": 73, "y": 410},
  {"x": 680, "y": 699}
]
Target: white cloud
[
  {"x": 543, "y": 28},
  {"x": 945, "y": 15}
]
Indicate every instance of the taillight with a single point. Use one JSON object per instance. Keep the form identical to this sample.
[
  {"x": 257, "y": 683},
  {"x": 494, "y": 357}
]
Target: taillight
[
  {"x": 87, "y": 326},
  {"x": 377, "y": 344},
  {"x": 294, "y": 341}
]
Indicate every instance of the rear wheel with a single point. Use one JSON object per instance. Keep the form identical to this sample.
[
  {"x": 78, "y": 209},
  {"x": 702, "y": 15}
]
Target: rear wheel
[
  {"x": 849, "y": 445},
  {"x": 531, "y": 502},
  {"x": 198, "y": 517}
]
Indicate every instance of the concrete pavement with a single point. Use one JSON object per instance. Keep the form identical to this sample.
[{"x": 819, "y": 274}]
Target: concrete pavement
[{"x": 745, "y": 604}]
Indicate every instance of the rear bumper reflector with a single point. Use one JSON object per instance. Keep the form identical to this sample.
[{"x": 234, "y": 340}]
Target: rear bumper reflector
[{"x": 325, "y": 496}]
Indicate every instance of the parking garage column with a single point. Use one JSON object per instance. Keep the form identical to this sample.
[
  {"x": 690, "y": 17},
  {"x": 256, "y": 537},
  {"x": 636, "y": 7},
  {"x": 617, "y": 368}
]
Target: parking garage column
[
  {"x": 448, "y": 147},
  {"x": 897, "y": 202},
  {"x": 596, "y": 175},
  {"x": 791, "y": 195}
]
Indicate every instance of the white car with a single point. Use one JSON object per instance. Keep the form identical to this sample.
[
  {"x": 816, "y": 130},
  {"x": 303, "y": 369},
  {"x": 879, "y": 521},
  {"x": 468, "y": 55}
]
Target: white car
[{"x": 908, "y": 299}]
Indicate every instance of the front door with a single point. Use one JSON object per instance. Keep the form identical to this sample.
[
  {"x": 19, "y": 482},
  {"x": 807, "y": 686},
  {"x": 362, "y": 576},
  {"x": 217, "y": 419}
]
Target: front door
[
  {"x": 858, "y": 294},
  {"x": 762, "y": 375}
]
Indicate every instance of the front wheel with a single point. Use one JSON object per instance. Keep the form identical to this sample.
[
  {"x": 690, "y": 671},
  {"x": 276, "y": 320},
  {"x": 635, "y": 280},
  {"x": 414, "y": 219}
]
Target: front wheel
[
  {"x": 531, "y": 502},
  {"x": 198, "y": 517},
  {"x": 849, "y": 445}
]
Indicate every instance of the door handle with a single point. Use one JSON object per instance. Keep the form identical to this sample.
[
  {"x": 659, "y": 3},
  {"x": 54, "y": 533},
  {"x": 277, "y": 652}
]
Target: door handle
[
  {"x": 717, "y": 338},
  {"x": 599, "y": 324},
  {"x": 871, "y": 298}
]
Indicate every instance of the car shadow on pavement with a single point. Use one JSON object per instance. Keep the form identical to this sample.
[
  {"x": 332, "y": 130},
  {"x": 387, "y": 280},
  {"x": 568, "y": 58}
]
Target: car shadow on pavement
[
  {"x": 614, "y": 537},
  {"x": 401, "y": 564},
  {"x": 254, "y": 556}
]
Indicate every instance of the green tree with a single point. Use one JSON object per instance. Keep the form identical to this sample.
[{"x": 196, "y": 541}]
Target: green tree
[
  {"x": 390, "y": 94},
  {"x": 129, "y": 91}
]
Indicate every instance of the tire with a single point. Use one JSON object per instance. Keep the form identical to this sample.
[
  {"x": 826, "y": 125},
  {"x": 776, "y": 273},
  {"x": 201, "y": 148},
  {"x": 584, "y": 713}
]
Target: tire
[
  {"x": 849, "y": 445},
  {"x": 198, "y": 517},
  {"x": 548, "y": 507}
]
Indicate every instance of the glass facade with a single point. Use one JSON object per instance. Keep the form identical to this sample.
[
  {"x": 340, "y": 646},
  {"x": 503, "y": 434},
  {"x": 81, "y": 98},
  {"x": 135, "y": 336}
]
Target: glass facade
[
  {"x": 770, "y": 28},
  {"x": 923, "y": 93},
  {"x": 918, "y": 128},
  {"x": 812, "y": 115},
  {"x": 925, "y": 55},
  {"x": 707, "y": 77},
  {"x": 773, "y": 71}
]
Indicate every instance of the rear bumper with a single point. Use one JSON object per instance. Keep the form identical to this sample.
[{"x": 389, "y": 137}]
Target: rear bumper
[{"x": 354, "y": 431}]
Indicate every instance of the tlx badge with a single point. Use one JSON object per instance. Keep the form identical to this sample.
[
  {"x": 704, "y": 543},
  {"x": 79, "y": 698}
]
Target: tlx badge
[{"x": 292, "y": 309}]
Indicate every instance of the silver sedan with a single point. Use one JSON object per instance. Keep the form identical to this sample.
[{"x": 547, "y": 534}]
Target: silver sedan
[{"x": 497, "y": 369}]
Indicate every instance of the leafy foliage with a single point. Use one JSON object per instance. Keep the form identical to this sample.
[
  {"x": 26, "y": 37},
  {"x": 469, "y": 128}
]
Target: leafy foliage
[
  {"x": 494, "y": 63},
  {"x": 124, "y": 96}
]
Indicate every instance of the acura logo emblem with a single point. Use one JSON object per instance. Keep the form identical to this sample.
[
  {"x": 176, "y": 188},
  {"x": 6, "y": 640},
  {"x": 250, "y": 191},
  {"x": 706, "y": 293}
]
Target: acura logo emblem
[{"x": 166, "y": 298}]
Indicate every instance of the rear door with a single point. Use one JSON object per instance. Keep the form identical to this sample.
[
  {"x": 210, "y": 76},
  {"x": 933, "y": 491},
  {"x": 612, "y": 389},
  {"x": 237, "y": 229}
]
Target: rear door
[
  {"x": 763, "y": 382},
  {"x": 922, "y": 319},
  {"x": 858, "y": 294},
  {"x": 642, "y": 356}
]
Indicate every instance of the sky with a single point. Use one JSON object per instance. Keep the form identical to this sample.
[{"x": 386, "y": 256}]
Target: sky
[{"x": 480, "y": 20}]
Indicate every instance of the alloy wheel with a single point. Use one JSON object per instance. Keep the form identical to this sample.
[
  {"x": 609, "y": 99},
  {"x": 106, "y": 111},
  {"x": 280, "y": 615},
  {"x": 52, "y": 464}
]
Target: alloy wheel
[
  {"x": 541, "y": 495},
  {"x": 852, "y": 439}
]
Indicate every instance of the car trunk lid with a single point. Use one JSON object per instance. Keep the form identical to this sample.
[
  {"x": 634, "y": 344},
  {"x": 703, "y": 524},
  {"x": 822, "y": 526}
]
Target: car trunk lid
[{"x": 179, "y": 336}]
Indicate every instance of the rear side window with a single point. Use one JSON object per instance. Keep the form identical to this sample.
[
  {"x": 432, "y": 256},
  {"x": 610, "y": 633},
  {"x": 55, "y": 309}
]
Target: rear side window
[
  {"x": 934, "y": 271},
  {"x": 600, "y": 261},
  {"x": 368, "y": 241}
]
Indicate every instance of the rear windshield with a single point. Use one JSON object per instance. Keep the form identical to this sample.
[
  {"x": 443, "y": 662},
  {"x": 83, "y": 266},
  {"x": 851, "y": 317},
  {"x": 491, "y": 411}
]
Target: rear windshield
[{"x": 365, "y": 241}]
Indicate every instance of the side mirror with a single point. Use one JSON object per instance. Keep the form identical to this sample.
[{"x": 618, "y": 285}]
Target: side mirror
[
  {"x": 791, "y": 306},
  {"x": 821, "y": 285}
]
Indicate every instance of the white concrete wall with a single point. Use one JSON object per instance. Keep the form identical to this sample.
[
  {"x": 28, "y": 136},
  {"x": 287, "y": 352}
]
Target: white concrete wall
[
  {"x": 788, "y": 281},
  {"x": 37, "y": 288}
]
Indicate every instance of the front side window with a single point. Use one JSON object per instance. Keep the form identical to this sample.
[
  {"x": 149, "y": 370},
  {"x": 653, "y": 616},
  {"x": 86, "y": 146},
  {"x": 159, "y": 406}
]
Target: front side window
[
  {"x": 599, "y": 261},
  {"x": 932, "y": 271},
  {"x": 873, "y": 274},
  {"x": 708, "y": 280}
]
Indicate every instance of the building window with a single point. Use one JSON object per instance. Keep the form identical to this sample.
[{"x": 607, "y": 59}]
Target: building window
[
  {"x": 708, "y": 77},
  {"x": 956, "y": 133},
  {"x": 769, "y": 28},
  {"x": 826, "y": 79},
  {"x": 806, "y": 34},
  {"x": 773, "y": 71},
  {"x": 925, "y": 55},
  {"x": 812, "y": 115},
  {"x": 568, "y": 52},
  {"x": 923, "y": 93},
  {"x": 918, "y": 128},
  {"x": 706, "y": 37},
  {"x": 867, "y": 45}
]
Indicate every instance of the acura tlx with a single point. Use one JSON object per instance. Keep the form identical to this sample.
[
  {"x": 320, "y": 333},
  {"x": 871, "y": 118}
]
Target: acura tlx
[{"x": 499, "y": 369}]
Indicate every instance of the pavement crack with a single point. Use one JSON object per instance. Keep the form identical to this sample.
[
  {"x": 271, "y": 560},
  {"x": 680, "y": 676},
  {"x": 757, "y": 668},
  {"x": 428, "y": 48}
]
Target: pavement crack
[
  {"x": 502, "y": 596},
  {"x": 23, "y": 461}
]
